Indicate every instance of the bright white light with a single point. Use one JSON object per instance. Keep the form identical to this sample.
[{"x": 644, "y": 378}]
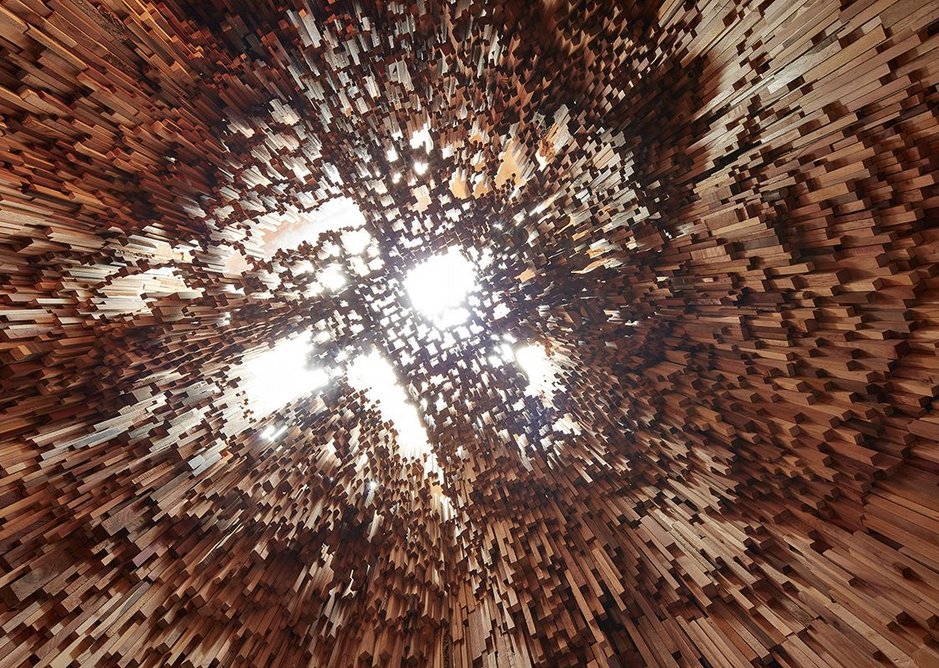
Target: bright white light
[
  {"x": 508, "y": 354},
  {"x": 541, "y": 371},
  {"x": 279, "y": 375},
  {"x": 330, "y": 249},
  {"x": 422, "y": 137},
  {"x": 359, "y": 266},
  {"x": 420, "y": 167},
  {"x": 271, "y": 432},
  {"x": 299, "y": 226},
  {"x": 567, "y": 425},
  {"x": 439, "y": 287},
  {"x": 391, "y": 154},
  {"x": 333, "y": 278},
  {"x": 356, "y": 241},
  {"x": 373, "y": 375}
]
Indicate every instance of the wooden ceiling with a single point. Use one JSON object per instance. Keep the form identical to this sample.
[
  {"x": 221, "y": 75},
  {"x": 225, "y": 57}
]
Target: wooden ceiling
[{"x": 716, "y": 219}]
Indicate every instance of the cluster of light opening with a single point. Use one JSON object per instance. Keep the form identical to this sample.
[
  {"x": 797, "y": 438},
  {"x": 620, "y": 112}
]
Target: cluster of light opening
[
  {"x": 442, "y": 289},
  {"x": 439, "y": 288}
]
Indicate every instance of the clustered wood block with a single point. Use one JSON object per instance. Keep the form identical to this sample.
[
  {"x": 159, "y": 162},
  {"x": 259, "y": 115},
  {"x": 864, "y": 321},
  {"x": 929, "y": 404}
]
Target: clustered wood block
[{"x": 718, "y": 216}]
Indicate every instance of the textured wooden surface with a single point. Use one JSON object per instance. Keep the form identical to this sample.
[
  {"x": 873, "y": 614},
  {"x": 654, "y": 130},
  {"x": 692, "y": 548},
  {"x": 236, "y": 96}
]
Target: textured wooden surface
[{"x": 718, "y": 216}]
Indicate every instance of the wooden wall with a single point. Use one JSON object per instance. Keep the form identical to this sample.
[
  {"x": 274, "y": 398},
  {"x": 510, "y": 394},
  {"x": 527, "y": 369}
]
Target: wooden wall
[{"x": 719, "y": 217}]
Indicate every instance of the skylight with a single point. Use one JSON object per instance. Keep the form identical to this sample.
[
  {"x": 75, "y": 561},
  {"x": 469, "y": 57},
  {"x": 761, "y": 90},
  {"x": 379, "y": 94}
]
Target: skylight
[{"x": 438, "y": 288}]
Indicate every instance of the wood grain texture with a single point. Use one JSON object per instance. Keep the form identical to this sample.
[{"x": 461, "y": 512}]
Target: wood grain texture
[{"x": 718, "y": 217}]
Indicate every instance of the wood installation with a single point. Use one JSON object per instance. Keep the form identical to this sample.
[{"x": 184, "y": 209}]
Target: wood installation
[{"x": 681, "y": 407}]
